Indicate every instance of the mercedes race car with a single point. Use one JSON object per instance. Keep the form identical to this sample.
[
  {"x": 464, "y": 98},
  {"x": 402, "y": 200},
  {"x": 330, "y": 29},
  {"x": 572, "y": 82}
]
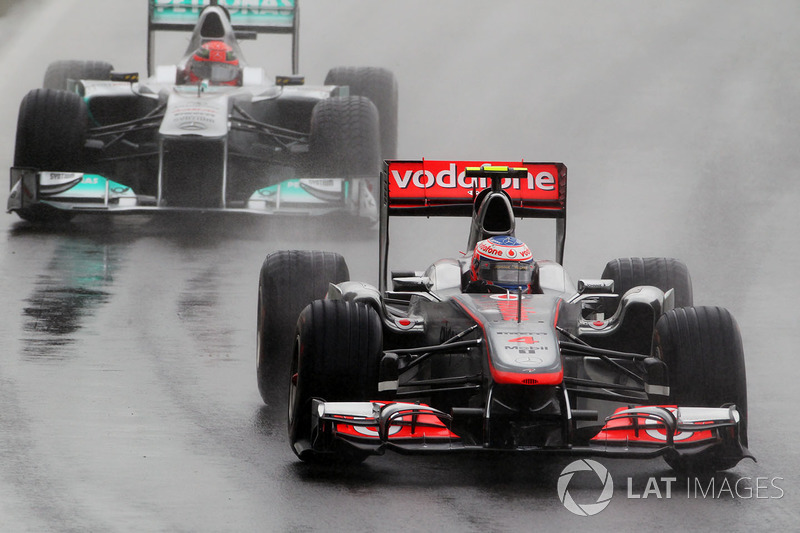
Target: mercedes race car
[
  {"x": 210, "y": 132},
  {"x": 496, "y": 350}
]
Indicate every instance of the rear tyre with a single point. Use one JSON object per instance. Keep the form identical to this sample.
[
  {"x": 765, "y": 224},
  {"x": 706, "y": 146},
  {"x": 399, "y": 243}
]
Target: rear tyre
[
  {"x": 703, "y": 351},
  {"x": 344, "y": 138},
  {"x": 336, "y": 357},
  {"x": 662, "y": 272},
  {"x": 380, "y": 86},
  {"x": 51, "y": 132},
  {"x": 289, "y": 280},
  {"x": 59, "y": 73}
]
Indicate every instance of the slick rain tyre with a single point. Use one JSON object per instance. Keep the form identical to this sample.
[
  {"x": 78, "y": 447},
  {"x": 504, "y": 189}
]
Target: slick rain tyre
[
  {"x": 51, "y": 130},
  {"x": 344, "y": 138},
  {"x": 336, "y": 357},
  {"x": 702, "y": 348},
  {"x": 662, "y": 272},
  {"x": 380, "y": 86},
  {"x": 289, "y": 280},
  {"x": 59, "y": 73}
]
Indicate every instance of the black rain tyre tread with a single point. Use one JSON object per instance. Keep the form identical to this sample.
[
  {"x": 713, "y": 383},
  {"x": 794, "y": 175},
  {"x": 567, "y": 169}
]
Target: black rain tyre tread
[
  {"x": 337, "y": 354},
  {"x": 662, "y": 272},
  {"x": 344, "y": 138},
  {"x": 51, "y": 131},
  {"x": 380, "y": 86},
  {"x": 59, "y": 72},
  {"x": 289, "y": 280},
  {"x": 702, "y": 347}
]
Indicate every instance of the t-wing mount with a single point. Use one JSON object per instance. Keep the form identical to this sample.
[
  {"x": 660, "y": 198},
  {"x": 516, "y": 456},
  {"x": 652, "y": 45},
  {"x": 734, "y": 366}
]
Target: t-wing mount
[{"x": 493, "y": 214}]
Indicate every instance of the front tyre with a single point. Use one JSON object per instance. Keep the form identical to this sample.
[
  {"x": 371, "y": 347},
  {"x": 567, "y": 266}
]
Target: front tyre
[
  {"x": 336, "y": 357},
  {"x": 702, "y": 348}
]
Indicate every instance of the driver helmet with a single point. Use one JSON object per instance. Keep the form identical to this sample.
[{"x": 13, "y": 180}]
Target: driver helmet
[
  {"x": 503, "y": 261},
  {"x": 216, "y": 63}
]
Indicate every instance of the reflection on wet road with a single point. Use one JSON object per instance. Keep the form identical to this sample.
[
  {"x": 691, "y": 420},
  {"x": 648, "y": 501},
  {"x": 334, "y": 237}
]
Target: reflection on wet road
[{"x": 76, "y": 285}]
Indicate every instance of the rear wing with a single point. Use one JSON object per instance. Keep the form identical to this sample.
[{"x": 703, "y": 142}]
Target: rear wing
[
  {"x": 248, "y": 18},
  {"x": 446, "y": 188}
]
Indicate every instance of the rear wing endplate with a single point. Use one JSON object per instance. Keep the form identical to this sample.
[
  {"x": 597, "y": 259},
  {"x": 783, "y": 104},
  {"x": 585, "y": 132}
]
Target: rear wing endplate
[
  {"x": 445, "y": 188},
  {"x": 247, "y": 17}
]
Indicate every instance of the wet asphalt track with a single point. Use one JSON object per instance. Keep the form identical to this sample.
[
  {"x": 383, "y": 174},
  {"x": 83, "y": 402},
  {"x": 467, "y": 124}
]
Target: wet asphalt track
[{"x": 127, "y": 388}]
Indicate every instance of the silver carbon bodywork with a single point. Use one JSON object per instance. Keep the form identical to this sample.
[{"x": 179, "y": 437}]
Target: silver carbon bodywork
[
  {"x": 161, "y": 144},
  {"x": 471, "y": 367}
]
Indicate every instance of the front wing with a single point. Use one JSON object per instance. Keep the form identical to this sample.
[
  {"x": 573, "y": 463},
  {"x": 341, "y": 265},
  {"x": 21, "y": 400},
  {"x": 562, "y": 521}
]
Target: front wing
[
  {"x": 78, "y": 192},
  {"x": 637, "y": 432}
]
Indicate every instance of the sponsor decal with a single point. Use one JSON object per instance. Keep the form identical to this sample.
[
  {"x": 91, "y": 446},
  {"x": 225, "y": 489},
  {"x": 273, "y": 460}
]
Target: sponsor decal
[
  {"x": 510, "y": 310},
  {"x": 527, "y": 345},
  {"x": 207, "y": 116},
  {"x": 451, "y": 178},
  {"x": 415, "y": 180},
  {"x": 323, "y": 183},
  {"x": 507, "y": 304},
  {"x": 511, "y": 252},
  {"x": 529, "y": 360},
  {"x": 194, "y": 118},
  {"x": 527, "y": 349},
  {"x": 233, "y": 6},
  {"x": 410, "y": 426},
  {"x": 58, "y": 178},
  {"x": 528, "y": 339},
  {"x": 263, "y": 13},
  {"x": 373, "y": 432},
  {"x": 618, "y": 430},
  {"x": 504, "y": 297},
  {"x": 660, "y": 434}
]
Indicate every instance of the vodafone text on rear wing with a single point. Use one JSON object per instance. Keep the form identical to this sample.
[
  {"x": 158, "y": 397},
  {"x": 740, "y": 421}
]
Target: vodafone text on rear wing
[
  {"x": 446, "y": 188},
  {"x": 248, "y": 17}
]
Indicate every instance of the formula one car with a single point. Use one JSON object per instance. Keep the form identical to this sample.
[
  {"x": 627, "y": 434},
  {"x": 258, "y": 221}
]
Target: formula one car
[
  {"x": 496, "y": 351},
  {"x": 209, "y": 132}
]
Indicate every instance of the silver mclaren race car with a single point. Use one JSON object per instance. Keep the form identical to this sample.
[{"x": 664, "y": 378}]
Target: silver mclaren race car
[{"x": 498, "y": 350}]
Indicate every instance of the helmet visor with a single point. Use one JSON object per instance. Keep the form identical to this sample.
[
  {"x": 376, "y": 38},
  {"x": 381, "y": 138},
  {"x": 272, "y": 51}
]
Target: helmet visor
[
  {"x": 506, "y": 273},
  {"x": 215, "y": 72}
]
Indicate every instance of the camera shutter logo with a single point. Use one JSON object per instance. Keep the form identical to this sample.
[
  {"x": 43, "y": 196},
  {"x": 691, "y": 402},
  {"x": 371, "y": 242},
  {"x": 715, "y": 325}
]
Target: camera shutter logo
[{"x": 587, "y": 509}]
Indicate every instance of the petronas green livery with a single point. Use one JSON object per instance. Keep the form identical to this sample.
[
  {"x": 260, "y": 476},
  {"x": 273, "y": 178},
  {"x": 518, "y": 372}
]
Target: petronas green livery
[{"x": 210, "y": 132}]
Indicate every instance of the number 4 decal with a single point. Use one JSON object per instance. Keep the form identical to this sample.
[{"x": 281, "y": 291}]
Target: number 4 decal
[{"x": 526, "y": 340}]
